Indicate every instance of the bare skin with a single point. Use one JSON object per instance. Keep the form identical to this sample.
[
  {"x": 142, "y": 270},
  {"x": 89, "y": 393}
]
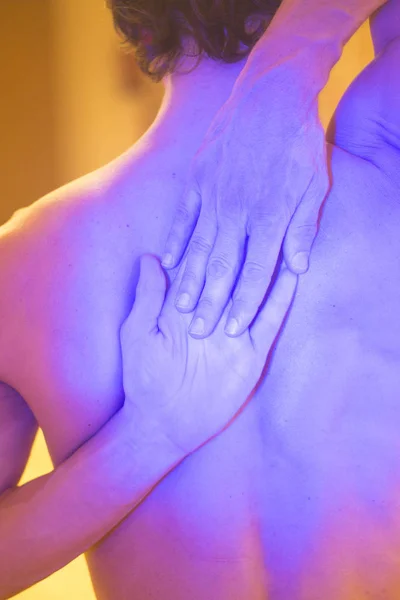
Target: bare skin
[
  {"x": 227, "y": 202},
  {"x": 298, "y": 499}
]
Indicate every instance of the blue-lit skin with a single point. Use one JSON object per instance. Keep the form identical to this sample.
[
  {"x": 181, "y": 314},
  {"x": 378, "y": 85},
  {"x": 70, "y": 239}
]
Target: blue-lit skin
[
  {"x": 298, "y": 499},
  {"x": 156, "y": 349},
  {"x": 248, "y": 198}
]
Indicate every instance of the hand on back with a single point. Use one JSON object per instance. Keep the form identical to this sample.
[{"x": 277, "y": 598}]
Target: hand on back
[
  {"x": 191, "y": 389},
  {"x": 258, "y": 180}
]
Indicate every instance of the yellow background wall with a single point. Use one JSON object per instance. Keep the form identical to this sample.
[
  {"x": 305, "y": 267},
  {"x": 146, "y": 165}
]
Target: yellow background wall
[
  {"x": 67, "y": 106},
  {"x": 27, "y": 167}
]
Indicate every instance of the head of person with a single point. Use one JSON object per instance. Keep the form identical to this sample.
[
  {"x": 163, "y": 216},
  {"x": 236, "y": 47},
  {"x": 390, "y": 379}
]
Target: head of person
[{"x": 163, "y": 33}]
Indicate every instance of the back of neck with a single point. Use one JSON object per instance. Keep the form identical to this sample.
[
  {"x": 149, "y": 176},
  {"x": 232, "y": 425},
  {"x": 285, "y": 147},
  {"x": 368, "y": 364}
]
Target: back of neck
[{"x": 192, "y": 101}]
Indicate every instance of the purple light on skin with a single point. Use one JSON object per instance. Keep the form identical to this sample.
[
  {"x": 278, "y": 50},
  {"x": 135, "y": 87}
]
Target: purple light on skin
[
  {"x": 322, "y": 419},
  {"x": 320, "y": 439}
]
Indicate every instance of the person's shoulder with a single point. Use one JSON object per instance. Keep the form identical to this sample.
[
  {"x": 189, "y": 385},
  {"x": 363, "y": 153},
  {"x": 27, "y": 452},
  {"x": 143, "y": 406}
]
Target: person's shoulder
[
  {"x": 366, "y": 123},
  {"x": 53, "y": 213},
  {"x": 64, "y": 220},
  {"x": 365, "y": 137},
  {"x": 36, "y": 233},
  {"x": 39, "y": 246}
]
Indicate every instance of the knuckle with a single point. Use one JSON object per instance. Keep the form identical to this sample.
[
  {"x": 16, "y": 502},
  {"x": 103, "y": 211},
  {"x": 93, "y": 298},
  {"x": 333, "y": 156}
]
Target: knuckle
[
  {"x": 218, "y": 267},
  {"x": 206, "y": 304},
  {"x": 182, "y": 213},
  {"x": 233, "y": 224},
  {"x": 245, "y": 304},
  {"x": 228, "y": 217},
  {"x": 233, "y": 209},
  {"x": 266, "y": 221},
  {"x": 254, "y": 272},
  {"x": 307, "y": 230},
  {"x": 189, "y": 276},
  {"x": 199, "y": 245}
]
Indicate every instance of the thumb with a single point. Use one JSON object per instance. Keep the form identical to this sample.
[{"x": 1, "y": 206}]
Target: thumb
[
  {"x": 303, "y": 229},
  {"x": 150, "y": 296},
  {"x": 273, "y": 314}
]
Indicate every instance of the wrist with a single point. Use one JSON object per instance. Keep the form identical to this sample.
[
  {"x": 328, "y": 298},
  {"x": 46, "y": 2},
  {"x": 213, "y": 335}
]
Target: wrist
[
  {"x": 149, "y": 438},
  {"x": 309, "y": 36},
  {"x": 305, "y": 62},
  {"x": 321, "y": 19}
]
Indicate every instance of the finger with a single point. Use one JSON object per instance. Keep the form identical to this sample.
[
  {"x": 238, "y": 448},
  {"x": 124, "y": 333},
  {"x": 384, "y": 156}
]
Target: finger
[
  {"x": 271, "y": 317},
  {"x": 169, "y": 303},
  {"x": 303, "y": 227},
  {"x": 172, "y": 324},
  {"x": 222, "y": 270},
  {"x": 185, "y": 220},
  {"x": 263, "y": 249},
  {"x": 199, "y": 251},
  {"x": 150, "y": 295}
]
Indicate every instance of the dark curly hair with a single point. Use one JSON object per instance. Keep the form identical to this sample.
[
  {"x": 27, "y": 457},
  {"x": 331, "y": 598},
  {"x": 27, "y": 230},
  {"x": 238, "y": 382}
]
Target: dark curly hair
[{"x": 157, "y": 29}]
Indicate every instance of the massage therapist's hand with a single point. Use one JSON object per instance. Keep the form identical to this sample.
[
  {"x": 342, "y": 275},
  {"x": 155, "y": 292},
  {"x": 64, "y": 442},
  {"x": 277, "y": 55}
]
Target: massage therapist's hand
[
  {"x": 259, "y": 178},
  {"x": 190, "y": 389}
]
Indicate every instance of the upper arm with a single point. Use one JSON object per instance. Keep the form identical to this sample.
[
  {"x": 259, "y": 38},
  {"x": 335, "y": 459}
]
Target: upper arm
[
  {"x": 367, "y": 120},
  {"x": 17, "y": 424},
  {"x": 17, "y": 431}
]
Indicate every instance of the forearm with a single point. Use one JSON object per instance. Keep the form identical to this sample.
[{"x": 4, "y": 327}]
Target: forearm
[
  {"x": 50, "y": 521},
  {"x": 312, "y": 34}
]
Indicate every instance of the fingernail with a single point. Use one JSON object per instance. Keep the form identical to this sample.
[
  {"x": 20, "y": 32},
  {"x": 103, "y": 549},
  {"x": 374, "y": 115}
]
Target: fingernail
[
  {"x": 232, "y": 327},
  {"x": 300, "y": 261},
  {"x": 167, "y": 260},
  {"x": 197, "y": 327},
  {"x": 183, "y": 300}
]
